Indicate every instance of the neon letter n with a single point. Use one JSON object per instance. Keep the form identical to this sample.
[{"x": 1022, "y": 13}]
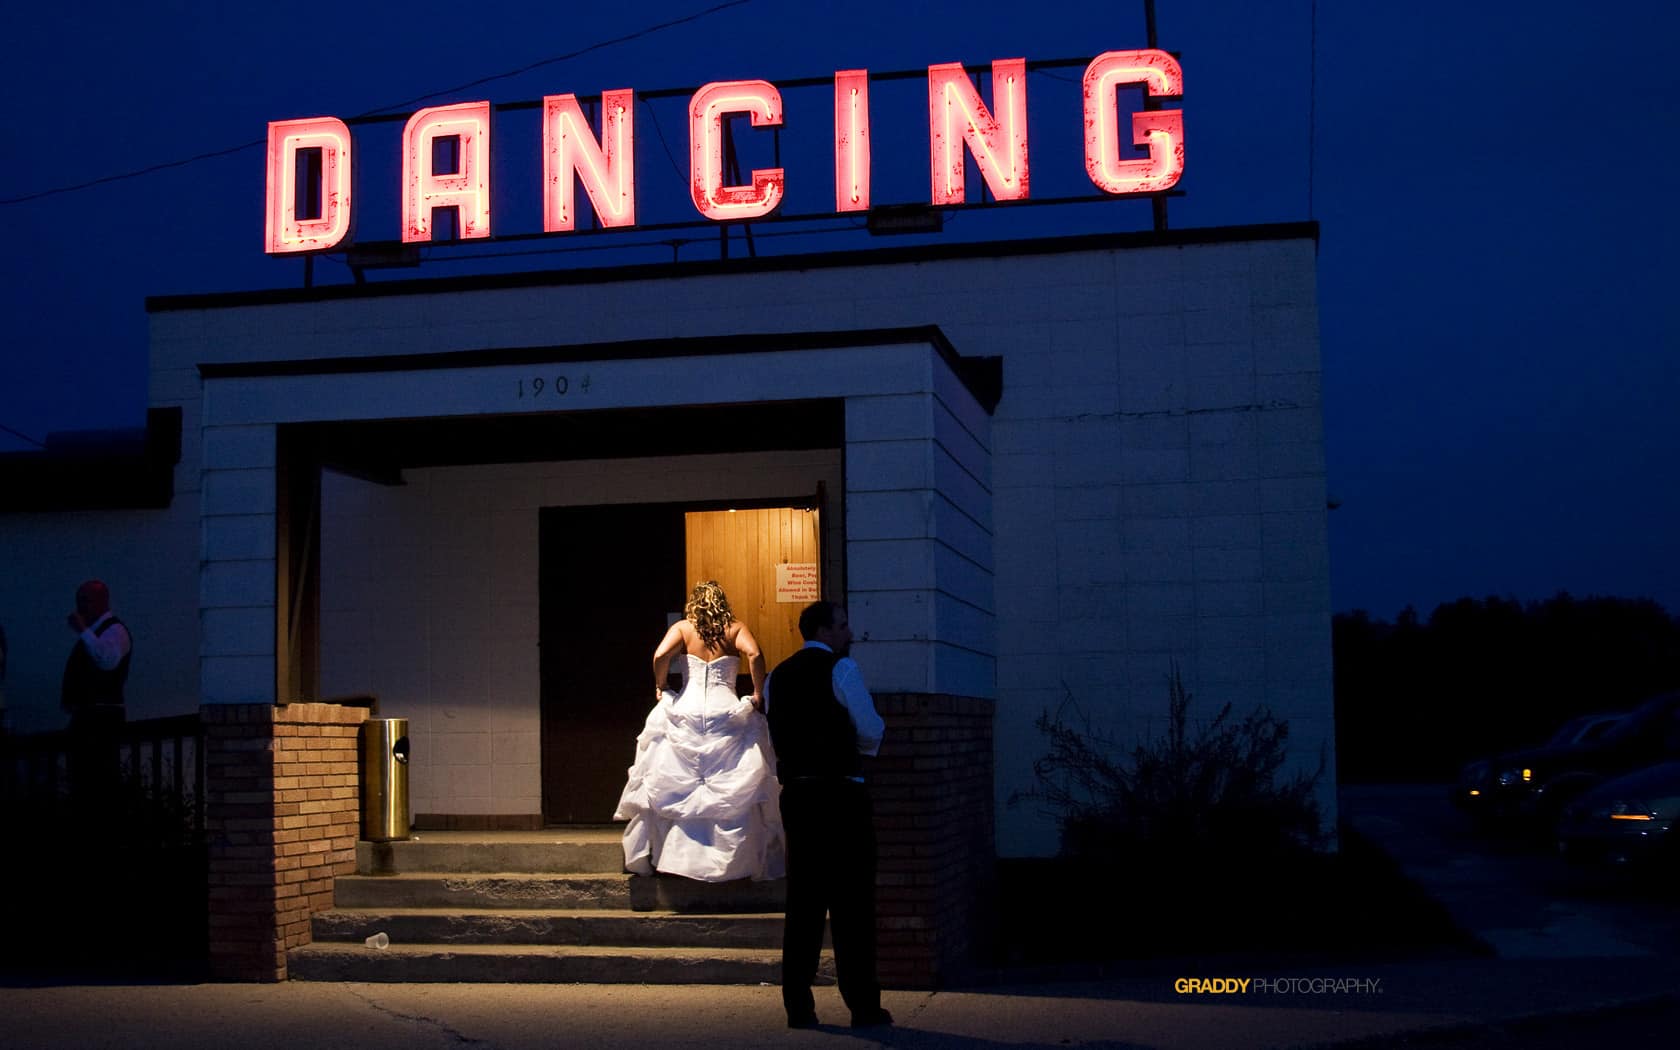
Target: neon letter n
[{"x": 606, "y": 168}]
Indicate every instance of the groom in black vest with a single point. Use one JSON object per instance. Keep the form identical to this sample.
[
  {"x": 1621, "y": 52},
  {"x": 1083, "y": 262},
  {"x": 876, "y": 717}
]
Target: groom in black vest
[{"x": 822, "y": 722}]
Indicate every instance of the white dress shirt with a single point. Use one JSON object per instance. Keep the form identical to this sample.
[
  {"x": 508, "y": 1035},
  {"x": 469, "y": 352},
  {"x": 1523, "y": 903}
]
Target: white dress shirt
[{"x": 108, "y": 649}]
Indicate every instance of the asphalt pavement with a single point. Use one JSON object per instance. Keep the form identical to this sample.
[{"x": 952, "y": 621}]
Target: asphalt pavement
[
  {"x": 1449, "y": 1005},
  {"x": 1514, "y": 893}
]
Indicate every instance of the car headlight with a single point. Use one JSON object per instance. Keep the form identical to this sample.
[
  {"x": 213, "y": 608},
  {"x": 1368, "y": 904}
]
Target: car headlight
[{"x": 1508, "y": 777}]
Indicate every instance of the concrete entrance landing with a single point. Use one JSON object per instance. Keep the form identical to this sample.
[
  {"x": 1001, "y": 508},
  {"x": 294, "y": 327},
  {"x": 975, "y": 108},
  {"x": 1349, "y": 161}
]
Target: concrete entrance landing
[
  {"x": 537, "y": 906},
  {"x": 566, "y": 849}
]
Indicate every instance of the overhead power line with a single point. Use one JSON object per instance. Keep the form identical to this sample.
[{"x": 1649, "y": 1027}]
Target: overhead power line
[
  {"x": 137, "y": 173},
  {"x": 21, "y": 434},
  {"x": 696, "y": 16},
  {"x": 130, "y": 174}
]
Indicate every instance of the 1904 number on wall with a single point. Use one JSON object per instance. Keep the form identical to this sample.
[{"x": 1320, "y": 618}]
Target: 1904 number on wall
[{"x": 552, "y": 386}]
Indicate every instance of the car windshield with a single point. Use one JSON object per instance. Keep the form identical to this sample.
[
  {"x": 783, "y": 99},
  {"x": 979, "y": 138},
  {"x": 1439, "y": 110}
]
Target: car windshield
[
  {"x": 1598, "y": 729},
  {"x": 1641, "y": 718},
  {"x": 1570, "y": 731}
]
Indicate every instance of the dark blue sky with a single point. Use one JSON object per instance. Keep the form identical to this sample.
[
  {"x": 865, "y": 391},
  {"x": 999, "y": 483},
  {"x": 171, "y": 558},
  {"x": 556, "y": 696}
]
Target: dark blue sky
[{"x": 1495, "y": 182}]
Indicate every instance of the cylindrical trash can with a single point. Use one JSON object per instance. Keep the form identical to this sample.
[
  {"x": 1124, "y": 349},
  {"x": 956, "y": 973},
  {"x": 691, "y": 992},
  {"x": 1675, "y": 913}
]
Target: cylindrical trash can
[{"x": 385, "y": 779}]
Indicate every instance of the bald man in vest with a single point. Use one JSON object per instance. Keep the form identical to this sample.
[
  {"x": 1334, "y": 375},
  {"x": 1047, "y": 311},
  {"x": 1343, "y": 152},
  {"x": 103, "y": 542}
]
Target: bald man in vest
[
  {"x": 823, "y": 723},
  {"x": 92, "y": 693}
]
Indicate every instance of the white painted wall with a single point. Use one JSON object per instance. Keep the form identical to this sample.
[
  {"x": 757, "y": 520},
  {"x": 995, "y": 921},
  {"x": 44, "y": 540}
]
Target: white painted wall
[
  {"x": 1160, "y": 501},
  {"x": 919, "y": 541}
]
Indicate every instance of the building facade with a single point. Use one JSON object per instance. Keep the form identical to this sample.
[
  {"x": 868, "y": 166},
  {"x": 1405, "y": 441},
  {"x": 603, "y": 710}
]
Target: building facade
[{"x": 1037, "y": 472}]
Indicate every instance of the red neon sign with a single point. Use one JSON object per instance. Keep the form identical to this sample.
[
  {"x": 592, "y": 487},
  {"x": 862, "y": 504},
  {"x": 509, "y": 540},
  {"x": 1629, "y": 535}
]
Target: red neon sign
[
  {"x": 285, "y": 231},
  {"x": 1161, "y": 130},
  {"x": 958, "y": 118},
  {"x": 467, "y": 188},
  {"x": 851, "y": 140},
  {"x": 960, "y": 124},
  {"x": 705, "y": 150},
  {"x": 606, "y": 168}
]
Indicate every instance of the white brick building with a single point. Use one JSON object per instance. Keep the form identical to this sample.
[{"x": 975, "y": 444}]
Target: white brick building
[{"x": 1147, "y": 490}]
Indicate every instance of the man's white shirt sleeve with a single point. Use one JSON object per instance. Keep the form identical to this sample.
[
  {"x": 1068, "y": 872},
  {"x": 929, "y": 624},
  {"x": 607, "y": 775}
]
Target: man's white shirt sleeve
[
  {"x": 849, "y": 688},
  {"x": 108, "y": 649}
]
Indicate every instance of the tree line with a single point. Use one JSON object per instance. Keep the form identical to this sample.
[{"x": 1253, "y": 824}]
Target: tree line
[{"x": 1416, "y": 698}]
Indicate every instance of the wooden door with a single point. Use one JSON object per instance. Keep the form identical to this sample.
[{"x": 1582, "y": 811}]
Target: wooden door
[{"x": 768, "y": 561}]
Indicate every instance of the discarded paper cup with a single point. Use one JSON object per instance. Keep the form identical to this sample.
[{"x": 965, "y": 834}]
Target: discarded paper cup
[{"x": 380, "y": 941}]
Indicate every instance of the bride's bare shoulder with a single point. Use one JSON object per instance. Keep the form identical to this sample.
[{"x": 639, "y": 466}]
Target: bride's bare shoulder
[{"x": 693, "y": 644}]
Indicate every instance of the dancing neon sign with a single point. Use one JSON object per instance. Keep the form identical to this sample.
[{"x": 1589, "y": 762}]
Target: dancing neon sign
[{"x": 961, "y": 125}]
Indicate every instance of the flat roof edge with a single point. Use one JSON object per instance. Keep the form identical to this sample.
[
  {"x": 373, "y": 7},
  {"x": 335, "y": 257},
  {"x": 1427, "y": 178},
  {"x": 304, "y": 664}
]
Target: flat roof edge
[
  {"x": 1307, "y": 230},
  {"x": 982, "y": 376}
]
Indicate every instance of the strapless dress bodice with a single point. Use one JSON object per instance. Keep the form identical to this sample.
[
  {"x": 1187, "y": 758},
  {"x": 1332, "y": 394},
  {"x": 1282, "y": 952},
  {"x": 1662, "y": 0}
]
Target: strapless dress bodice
[{"x": 712, "y": 673}]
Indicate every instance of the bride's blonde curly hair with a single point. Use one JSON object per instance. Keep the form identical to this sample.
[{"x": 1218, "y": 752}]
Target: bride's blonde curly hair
[{"x": 708, "y": 610}]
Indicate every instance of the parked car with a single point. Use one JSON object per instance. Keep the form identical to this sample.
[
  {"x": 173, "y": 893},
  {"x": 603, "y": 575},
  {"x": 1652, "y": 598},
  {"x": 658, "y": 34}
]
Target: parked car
[
  {"x": 1627, "y": 820},
  {"x": 1530, "y": 787},
  {"x": 1584, "y": 729},
  {"x": 1474, "y": 792}
]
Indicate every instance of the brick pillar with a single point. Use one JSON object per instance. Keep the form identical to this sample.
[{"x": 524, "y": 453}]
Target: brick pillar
[
  {"x": 936, "y": 881},
  {"x": 281, "y": 816}
]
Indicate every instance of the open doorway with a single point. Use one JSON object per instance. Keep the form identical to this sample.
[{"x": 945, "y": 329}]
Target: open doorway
[
  {"x": 611, "y": 579},
  {"x": 767, "y": 559}
]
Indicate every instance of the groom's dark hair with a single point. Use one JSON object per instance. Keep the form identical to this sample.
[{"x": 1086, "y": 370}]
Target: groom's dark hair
[{"x": 815, "y": 617}]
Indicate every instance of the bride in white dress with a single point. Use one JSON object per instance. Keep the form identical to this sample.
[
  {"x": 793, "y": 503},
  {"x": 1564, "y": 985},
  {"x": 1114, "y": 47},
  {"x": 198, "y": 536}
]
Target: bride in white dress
[{"x": 702, "y": 796}]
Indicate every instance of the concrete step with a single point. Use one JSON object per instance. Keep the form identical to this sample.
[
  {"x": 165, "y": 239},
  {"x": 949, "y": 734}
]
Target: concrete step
[
  {"x": 538, "y": 907},
  {"x": 573, "y": 926},
  {"x": 525, "y": 891},
  {"x": 673, "y": 893},
  {"x": 535, "y": 852},
  {"x": 511, "y": 890},
  {"x": 537, "y": 964}
]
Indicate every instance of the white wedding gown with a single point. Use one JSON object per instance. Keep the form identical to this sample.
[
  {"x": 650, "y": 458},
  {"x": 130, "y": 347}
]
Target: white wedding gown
[{"x": 702, "y": 797}]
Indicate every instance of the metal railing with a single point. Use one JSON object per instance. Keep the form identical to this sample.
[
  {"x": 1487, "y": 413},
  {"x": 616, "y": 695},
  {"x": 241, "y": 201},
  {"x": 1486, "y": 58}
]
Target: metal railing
[{"x": 164, "y": 757}]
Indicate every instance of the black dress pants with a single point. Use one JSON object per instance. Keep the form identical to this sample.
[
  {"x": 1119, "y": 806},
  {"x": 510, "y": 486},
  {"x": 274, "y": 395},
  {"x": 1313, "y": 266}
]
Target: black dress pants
[{"x": 830, "y": 830}]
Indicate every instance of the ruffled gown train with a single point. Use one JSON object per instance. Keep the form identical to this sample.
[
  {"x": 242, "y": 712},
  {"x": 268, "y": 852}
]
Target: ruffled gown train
[{"x": 702, "y": 797}]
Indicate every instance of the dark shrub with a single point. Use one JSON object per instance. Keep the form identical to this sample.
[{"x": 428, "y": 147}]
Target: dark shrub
[
  {"x": 1200, "y": 793},
  {"x": 1198, "y": 833}
]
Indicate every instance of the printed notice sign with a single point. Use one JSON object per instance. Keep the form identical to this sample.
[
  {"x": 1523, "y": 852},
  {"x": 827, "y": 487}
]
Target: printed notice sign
[{"x": 796, "y": 581}]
